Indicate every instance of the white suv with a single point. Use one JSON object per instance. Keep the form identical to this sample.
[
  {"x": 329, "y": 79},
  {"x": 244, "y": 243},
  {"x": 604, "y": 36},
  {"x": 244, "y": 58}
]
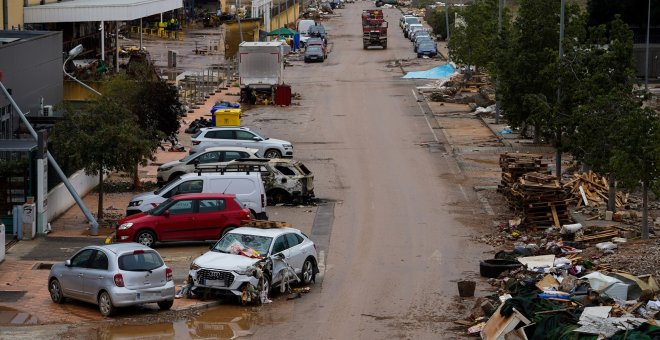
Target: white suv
[{"x": 243, "y": 137}]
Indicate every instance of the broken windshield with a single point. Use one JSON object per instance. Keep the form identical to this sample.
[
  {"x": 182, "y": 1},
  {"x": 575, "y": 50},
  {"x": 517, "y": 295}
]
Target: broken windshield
[{"x": 259, "y": 243}]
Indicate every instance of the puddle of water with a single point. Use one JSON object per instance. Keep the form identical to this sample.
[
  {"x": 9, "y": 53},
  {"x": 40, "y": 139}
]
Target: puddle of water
[
  {"x": 11, "y": 316},
  {"x": 224, "y": 322}
]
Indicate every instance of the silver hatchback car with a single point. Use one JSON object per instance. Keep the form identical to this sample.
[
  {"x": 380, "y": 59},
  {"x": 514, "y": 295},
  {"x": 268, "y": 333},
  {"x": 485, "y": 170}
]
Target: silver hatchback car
[{"x": 113, "y": 275}]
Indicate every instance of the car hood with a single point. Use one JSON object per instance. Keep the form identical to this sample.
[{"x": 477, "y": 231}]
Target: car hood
[
  {"x": 136, "y": 218},
  {"x": 143, "y": 196},
  {"x": 277, "y": 141},
  {"x": 172, "y": 163},
  {"x": 223, "y": 261}
]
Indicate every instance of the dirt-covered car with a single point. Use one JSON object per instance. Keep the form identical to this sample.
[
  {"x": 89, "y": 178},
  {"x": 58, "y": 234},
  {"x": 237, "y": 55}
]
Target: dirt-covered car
[{"x": 285, "y": 180}]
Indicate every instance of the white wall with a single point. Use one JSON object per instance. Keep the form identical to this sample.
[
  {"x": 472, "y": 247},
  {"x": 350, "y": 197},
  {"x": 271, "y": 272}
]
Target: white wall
[{"x": 60, "y": 200}]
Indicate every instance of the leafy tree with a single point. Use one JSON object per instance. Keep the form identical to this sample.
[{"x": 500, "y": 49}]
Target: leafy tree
[
  {"x": 437, "y": 20},
  {"x": 101, "y": 136},
  {"x": 637, "y": 157},
  {"x": 475, "y": 38}
]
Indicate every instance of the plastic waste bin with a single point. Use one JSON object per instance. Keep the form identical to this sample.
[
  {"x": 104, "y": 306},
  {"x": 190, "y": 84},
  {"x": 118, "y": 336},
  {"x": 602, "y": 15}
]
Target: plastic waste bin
[
  {"x": 226, "y": 114},
  {"x": 283, "y": 95}
]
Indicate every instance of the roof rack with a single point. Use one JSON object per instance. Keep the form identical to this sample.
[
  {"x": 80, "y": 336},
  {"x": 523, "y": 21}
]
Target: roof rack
[
  {"x": 232, "y": 167},
  {"x": 263, "y": 224}
]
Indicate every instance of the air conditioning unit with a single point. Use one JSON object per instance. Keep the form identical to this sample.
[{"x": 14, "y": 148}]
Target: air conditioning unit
[{"x": 48, "y": 111}]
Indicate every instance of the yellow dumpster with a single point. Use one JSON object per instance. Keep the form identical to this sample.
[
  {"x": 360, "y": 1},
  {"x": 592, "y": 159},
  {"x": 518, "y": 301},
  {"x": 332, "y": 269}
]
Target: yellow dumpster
[{"x": 227, "y": 117}]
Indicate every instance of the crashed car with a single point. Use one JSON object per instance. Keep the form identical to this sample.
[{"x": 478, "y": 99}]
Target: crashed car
[
  {"x": 249, "y": 257},
  {"x": 285, "y": 180}
]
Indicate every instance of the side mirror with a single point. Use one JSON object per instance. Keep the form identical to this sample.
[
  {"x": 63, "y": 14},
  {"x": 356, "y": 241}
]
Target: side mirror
[
  {"x": 166, "y": 213},
  {"x": 257, "y": 139},
  {"x": 67, "y": 263},
  {"x": 195, "y": 162}
]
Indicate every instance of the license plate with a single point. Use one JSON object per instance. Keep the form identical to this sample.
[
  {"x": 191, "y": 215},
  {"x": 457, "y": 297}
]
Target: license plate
[
  {"x": 217, "y": 283},
  {"x": 147, "y": 295}
]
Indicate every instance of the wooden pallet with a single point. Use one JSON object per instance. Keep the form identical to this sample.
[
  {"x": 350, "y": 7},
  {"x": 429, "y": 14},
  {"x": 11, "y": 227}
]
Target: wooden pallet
[{"x": 265, "y": 224}]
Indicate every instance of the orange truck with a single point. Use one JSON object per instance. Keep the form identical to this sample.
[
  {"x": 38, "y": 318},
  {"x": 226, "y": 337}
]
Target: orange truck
[{"x": 374, "y": 28}]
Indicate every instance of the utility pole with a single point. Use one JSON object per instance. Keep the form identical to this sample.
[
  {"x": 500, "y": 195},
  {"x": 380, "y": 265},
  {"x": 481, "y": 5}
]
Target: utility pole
[
  {"x": 646, "y": 64},
  {"x": 502, "y": 3},
  {"x": 558, "y": 120}
]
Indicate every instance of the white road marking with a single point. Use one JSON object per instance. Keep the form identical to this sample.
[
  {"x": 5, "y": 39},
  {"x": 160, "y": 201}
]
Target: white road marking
[
  {"x": 425, "y": 117},
  {"x": 463, "y": 192},
  {"x": 321, "y": 263},
  {"x": 436, "y": 256},
  {"x": 484, "y": 202}
]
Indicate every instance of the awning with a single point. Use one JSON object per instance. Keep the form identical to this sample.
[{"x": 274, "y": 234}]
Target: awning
[
  {"x": 18, "y": 145},
  {"x": 282, "y": 31},
  {"x": 97, "y": 10}
]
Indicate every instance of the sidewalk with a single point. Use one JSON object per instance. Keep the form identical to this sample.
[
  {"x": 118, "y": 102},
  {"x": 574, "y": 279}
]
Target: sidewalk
[{"x": 24, "y": 296}]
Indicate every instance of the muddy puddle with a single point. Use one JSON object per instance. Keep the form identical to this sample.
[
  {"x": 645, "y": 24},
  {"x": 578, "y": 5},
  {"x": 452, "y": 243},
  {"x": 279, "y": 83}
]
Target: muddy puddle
[
  {"x": 222, "y": 322},
  {"x": 10, "y": 316}
]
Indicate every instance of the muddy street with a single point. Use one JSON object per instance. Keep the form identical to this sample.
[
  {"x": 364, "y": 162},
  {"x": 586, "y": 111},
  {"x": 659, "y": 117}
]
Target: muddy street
[{"x": 395, "y": 220}]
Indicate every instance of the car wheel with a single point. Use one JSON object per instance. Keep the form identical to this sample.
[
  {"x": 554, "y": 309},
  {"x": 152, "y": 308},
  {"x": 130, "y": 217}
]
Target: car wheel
[
  {"x": 277, "y": 196},
  {"x": 105, "y": 304},
  {"x": 145, "y": 237},
  {"x": 307, "y": 273},
  {"x": 55, "y": 289},
  {"x": 272, "y": 153},
  {"x": 165, "y": 305}
]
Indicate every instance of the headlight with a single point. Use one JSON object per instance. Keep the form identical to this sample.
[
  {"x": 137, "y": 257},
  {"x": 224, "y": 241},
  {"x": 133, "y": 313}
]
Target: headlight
[
  {"x": 135, "y": 204},
  {"x": 287, "y": 146},
  {"x": 126, "y": 226},
  {"x": 165, "y": 168},
  {"x": 194, "y": 266},
  {"x": 245, "y": 271}
]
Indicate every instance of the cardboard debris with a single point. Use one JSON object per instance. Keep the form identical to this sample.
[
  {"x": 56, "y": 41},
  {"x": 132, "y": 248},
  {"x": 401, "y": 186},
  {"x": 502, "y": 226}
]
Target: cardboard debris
[
  {"x": 538, "y": 262},
  {"x": 499, "y": 326},
  {"x": 548, "y": 283}
]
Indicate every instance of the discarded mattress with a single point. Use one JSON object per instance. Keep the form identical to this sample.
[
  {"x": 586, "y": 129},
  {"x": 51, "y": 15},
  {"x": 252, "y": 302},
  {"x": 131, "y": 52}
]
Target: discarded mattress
[{"x": 438, "y": 72}]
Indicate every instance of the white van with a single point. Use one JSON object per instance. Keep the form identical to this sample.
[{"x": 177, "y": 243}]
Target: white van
[
  {"x": 247, "y": 186},
  {"x": 303, "y": 29}
]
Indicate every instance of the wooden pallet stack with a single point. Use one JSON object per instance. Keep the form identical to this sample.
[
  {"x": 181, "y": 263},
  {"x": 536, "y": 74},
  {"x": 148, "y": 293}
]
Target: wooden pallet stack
[
  {"x": 263, "y": 224},
  {"x": 594, "y": 190},
  {"x": 515, "y": 165},
  {"x": 541, "y": 200}
]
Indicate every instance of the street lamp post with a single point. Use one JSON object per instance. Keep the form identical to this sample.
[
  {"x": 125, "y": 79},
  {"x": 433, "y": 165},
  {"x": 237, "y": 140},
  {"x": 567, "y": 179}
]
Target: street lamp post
[{"x": 72, "y": 54}]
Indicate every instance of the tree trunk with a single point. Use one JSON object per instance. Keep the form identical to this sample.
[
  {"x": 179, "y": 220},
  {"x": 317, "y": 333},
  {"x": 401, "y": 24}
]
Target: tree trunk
[
  {"x": 136, "y": 178},
  {"x": 645, "y": 210},
  {"x": 611, "y": 193},
  {"x": 537, "y": 133},
  {"x": 558, "y": 156},
  {"x": 99, "y": 212}
]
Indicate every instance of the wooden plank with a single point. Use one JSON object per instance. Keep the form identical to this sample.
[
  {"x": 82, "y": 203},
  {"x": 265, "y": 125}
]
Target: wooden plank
[
  {"x": 555, "y": 217},
  {"x": 584, "y": 197}
]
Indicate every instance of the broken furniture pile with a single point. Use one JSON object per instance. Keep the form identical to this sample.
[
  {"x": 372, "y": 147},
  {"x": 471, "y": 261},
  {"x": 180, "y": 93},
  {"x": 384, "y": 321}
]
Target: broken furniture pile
[
  {"x": 565, "y": 296},
  {"x": 532, "y": 192},
  {"x": 457, "y": 89}
]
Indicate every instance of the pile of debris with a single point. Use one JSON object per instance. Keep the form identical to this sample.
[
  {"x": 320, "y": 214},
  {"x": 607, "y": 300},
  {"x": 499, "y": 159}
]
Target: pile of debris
[{"x": 589, "y": 189}]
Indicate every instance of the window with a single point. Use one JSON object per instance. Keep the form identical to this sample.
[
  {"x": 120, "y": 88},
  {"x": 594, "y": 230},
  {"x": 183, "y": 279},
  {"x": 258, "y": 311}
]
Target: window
[
  {"x": 100, "y": 261},
  {"x": 244, "y": 135},
  {"x": 220, "y": 134},
  {"x": 82, "y": 258},
  {"x": 188, "y": 187},
  {"x": 140, "y": 262},
  {"x": 181, "y": 207},
  {"x": 211, "y": 205},
  {"x": 293, "y": 240},
  {"x": 279, "y": 245},
  {"x": 231, "y": 155},
  {"x": 285, "y": 170},
  {"x": 209, "y": 157}
]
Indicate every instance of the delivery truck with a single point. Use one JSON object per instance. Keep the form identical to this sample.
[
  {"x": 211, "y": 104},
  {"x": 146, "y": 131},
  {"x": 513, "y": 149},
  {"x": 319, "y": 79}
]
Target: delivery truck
[{"x": 260, "y": 69}]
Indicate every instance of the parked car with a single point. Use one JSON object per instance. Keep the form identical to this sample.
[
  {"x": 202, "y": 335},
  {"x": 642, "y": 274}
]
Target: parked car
[
  {"x": 422, "y": 39},
  {"x": 303, "y": 27},
  {"x": 248, "y": 188},
  {"x": 240, "y": 136},
  {"x": 412, "y": 31},
  {"x": 285, "y": 180},
  {"x": 317, "y": 31},
  {"x": 187, "y": 217},
  {"x": 428, "y": 49},
  {"x": 227, "y": 272},
  {"x": 420, "y": 33},
  {"x": 409, "y": 28},
  {"x": 314, "y": 53},
  {"x": 216, "y": 155},
  {"x": 112, "y": 276},
  {"x": 410, "y": 21},
  {"x": 402, "y": 20}
]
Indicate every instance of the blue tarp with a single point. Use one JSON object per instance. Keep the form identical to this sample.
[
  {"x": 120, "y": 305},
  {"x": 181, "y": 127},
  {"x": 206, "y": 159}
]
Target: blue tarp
[{"x": 442, "y": 71}]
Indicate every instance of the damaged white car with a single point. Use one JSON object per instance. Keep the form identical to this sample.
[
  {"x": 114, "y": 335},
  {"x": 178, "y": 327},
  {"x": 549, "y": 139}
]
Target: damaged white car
[{"x": 237, "y": 262}]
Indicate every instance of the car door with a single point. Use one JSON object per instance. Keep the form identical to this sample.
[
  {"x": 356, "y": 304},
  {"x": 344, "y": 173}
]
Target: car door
[
  {"x": 296, "y": 255},
  {"x": 72, "y": 276},
  {"x": 194, "y": 186},
  {"x": 246, "y": 139},
  {"x": 96, "y": 276},
  {"x": 219, "y": 138},
  {"x": 279, "y": 246},
  {"x": 210, "y": 219},
  {"x": 177, "y": 222}
]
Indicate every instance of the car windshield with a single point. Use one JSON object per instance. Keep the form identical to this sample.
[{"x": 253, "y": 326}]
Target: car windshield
[
  {"x": 260, "y": 244},
  {"x": 189, "y": 157},
  {"x": 167, "y": 187},
  {"x": 160, "y": 208},
  {"x": 140, "y": 261},
  {"x": 316, "y": 29},
  {"x": 314, "y": 49},
  {"x": 412, "y": 20}
]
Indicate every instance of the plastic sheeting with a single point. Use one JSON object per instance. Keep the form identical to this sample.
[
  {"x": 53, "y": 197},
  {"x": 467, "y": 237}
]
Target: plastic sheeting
[{"x": 439, "y": 72}]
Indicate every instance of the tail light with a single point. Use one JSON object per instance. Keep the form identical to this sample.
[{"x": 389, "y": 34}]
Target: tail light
[
  {"x": 168, "y": 274},
  {"x": 263, "y": 200},
  {"x": 246, "y": 214},
  {"x": 119, "y": 280},
  {"x": 196, "y": 142}
]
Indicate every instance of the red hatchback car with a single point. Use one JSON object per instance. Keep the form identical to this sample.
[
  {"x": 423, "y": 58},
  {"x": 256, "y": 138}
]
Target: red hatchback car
[{"x": 187, "y": 217}]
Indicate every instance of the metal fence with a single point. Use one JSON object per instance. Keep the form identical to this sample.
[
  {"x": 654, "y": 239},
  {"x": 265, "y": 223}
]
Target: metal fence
[{"x": 196, "y": 87}]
